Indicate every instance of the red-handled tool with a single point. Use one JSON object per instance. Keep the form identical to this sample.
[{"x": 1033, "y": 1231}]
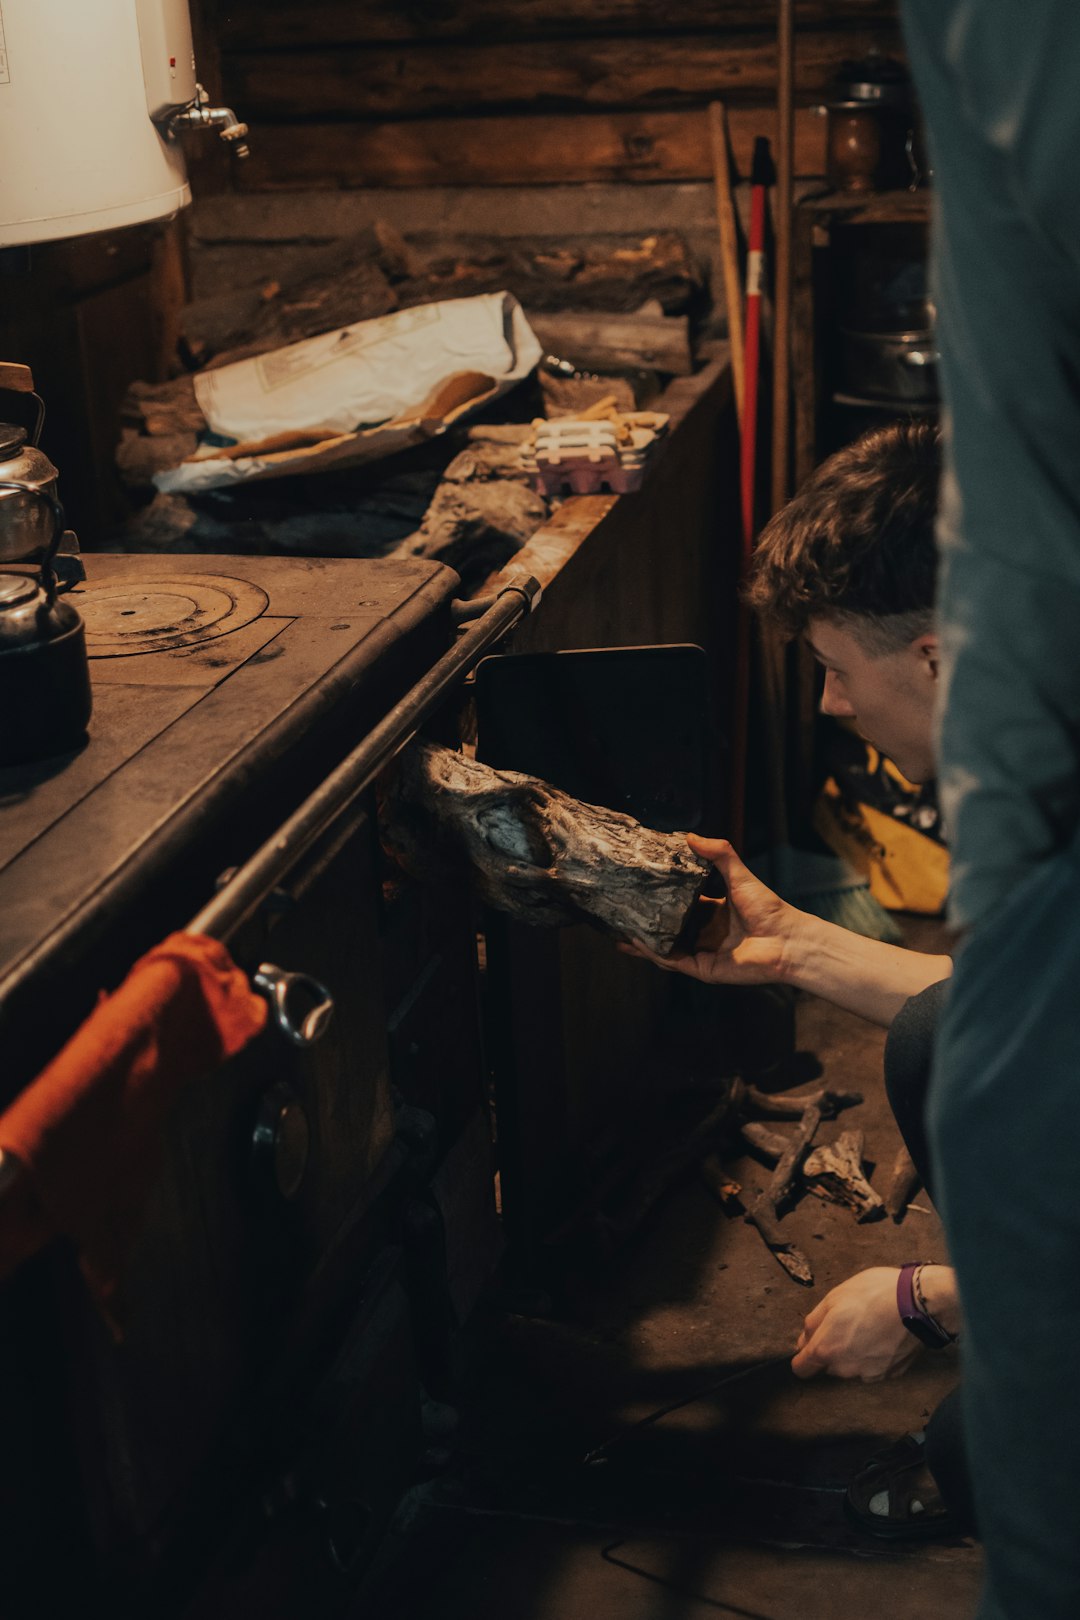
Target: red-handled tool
[{"x": 760, "y": 180}]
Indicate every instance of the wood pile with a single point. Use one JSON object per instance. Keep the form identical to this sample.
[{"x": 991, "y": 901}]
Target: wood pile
[{"x": 601, "y": 303}]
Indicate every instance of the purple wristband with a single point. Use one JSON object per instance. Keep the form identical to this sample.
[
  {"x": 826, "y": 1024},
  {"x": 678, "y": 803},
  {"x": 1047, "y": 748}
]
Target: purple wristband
[{"x": 917, "y": 1322}]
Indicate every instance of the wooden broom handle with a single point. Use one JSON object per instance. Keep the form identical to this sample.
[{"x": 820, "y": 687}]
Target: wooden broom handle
[
  {"x": 785, "y": 85},
  {"x": 729, "y": 245}
]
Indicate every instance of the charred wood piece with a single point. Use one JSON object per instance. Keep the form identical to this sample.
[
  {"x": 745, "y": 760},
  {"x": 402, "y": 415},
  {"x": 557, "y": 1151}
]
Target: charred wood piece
[
  {"x": 835, "y": 1171},
  {"x": 538, "y": 854},
  {"x": 764, "y": 1211}
]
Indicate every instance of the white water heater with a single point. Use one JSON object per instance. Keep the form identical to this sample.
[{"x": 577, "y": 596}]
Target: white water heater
[{"x": 93, "y": 96}]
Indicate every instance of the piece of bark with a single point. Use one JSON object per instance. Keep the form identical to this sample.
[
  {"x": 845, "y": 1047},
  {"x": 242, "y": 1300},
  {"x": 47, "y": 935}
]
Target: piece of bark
[
  {"x": 835, "y": 1171},
  {"x": 903, "y": 1184},
  {"x": 538, "y": 854}
]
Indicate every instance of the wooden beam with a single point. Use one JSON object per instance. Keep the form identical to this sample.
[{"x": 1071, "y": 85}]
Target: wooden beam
[
  {"x": 513, "y": 150},
  {"x": 248, "y": 23},
  {"x": 728, "y": 234},
  {"x": 414, "y": 81}
]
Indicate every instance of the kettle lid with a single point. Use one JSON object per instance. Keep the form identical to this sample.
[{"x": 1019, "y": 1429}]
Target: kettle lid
[
  {"x": 16, "y": 589},
  {"x": 12, "y": 438}
]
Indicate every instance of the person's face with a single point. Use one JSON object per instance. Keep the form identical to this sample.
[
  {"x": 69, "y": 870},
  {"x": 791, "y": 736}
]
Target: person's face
[{"x": 889, "y": 698}]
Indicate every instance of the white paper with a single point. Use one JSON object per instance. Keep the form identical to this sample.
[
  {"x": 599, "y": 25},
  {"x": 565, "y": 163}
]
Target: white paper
[{"x": 366, "y": 374}]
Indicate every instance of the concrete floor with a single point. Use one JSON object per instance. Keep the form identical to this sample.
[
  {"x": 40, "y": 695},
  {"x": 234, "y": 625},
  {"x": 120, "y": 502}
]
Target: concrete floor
[{"x": 732, "y": 1505}]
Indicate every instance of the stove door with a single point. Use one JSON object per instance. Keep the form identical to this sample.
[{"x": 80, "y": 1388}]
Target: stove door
[{"x": 266, "y": 1216}]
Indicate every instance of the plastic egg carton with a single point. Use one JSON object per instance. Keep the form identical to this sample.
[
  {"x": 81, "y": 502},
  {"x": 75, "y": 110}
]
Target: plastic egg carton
[{"x": 584, "y": 456}]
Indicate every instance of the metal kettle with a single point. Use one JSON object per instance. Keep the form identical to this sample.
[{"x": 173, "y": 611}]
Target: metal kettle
[
  {"x": 45, "y": 697},
  {"x": 26, "y": 520},
  {"x": 26, "y": 523},
  {"x": 44, "y": 670}
]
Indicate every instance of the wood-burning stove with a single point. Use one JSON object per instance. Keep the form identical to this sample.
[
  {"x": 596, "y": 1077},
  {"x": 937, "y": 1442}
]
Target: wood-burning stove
[{"x": 246, "y": 1440}]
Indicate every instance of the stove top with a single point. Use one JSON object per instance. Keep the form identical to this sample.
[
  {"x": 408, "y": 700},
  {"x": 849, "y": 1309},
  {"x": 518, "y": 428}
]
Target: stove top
[{"x": 222, "y": 695}]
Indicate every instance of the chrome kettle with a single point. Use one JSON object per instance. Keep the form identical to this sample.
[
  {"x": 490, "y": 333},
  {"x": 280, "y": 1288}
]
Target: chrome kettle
[
  {"x": 44, "y": 671},
  {"x": 26, "y": 523}
]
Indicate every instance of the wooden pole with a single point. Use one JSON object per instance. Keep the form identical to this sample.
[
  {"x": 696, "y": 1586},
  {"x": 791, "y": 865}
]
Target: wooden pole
[
  {"x": 785, "y": 86},
  {"x": 720, "y": 147},
  {"x": 760, "y": 176}
]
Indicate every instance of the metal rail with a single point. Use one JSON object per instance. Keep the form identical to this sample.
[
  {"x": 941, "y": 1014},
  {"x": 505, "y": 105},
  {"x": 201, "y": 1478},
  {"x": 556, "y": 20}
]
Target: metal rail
[{"x": 242, "y": 895}]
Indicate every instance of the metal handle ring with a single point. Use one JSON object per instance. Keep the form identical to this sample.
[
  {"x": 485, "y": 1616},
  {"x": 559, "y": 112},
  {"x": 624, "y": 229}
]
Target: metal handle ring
[{"x": 281, "y": 989}]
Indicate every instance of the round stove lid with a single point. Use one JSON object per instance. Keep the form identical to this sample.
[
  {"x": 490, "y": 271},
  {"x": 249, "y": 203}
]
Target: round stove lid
[{"x": 127, "y": 616}]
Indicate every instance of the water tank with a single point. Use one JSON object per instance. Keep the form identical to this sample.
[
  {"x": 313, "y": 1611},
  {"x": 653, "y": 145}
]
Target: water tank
[{"x": 86, "y": 91}]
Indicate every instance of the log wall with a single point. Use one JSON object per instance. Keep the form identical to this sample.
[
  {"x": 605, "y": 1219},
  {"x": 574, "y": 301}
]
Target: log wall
[{"x": 403, "y": 93}]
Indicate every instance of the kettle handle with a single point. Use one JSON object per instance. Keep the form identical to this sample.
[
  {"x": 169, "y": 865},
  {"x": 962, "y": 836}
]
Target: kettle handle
[{"x": 18, "y": 379}]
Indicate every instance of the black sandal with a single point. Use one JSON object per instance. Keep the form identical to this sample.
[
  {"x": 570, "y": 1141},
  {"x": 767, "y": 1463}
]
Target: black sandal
[{"x": 885, "y": 1499}]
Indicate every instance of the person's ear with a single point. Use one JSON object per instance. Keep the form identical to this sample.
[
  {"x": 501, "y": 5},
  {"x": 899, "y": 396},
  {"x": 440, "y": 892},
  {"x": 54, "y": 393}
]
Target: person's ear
[{"x": 928, "y": 652}]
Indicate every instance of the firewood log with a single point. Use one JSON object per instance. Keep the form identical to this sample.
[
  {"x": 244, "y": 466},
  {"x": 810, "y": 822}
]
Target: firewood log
[{"x": 536, "y": 853}]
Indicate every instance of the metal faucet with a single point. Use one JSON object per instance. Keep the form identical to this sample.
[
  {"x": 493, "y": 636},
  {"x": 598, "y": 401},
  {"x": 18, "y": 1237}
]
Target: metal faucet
[{"x": 200, "y": 115}]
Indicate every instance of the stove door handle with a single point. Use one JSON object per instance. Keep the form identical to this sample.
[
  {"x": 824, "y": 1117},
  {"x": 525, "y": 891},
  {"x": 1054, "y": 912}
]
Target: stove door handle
[{"x": 289, "y": 994}]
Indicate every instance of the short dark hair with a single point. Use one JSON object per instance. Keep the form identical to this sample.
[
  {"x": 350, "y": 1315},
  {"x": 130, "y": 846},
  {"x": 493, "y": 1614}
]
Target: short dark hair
[{"x": 856, "y": 544}]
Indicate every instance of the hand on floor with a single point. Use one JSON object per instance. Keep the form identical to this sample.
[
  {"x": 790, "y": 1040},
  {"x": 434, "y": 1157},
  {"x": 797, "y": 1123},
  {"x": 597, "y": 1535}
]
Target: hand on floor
[{"x": 856, "y": 1331}]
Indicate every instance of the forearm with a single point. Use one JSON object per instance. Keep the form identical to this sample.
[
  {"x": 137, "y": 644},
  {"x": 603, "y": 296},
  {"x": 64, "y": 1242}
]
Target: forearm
[{"x": 863, "y": 976}]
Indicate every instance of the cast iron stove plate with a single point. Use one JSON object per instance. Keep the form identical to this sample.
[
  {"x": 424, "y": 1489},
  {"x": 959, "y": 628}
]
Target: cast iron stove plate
[{"x": 127, "y": 616}]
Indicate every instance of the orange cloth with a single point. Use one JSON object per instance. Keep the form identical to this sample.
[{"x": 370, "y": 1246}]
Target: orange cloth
[{"x": 86, "y": 1130}]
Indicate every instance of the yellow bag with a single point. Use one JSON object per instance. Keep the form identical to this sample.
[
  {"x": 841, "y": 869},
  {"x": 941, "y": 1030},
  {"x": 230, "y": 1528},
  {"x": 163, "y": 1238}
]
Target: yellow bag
[{"x": 889, "y": 830}]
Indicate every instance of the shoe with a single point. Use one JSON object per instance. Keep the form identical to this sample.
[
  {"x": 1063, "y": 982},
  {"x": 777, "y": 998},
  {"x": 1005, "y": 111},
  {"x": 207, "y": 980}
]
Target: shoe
[{"x": 894, "y": 1497}]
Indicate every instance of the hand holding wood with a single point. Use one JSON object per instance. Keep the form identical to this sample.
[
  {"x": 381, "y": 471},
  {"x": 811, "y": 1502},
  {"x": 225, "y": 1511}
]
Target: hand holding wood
[
  {"x": 537, "y": 853},
  {"x": 742, "y": 939}
]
